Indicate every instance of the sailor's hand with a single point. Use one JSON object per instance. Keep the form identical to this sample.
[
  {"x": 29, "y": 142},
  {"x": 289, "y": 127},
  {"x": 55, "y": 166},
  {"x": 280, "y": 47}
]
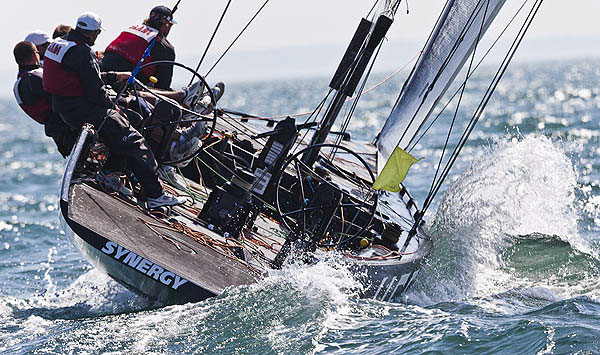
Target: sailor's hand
[
  {"x": 118, "y": 109},
  {"x": 123, "y": 75}
]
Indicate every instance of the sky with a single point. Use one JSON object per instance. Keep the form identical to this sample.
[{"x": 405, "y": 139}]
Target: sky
[{"x": 294, "y": 38}]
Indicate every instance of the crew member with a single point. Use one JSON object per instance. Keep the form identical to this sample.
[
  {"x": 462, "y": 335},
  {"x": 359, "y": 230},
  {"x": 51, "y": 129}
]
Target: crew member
[
  {"x": 72, "y": 76},
  {"x": 60, "y": 31},
  {"x": 41, "y": 41},
  {"x": 124, "y": 53},
  {"x": 35, "y": 101}
]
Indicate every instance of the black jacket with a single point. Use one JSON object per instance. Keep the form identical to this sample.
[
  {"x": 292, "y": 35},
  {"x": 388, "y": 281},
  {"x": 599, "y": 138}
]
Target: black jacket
[
  {"x": 54, "y": 127},
  {"x": 83, "y": 60}
]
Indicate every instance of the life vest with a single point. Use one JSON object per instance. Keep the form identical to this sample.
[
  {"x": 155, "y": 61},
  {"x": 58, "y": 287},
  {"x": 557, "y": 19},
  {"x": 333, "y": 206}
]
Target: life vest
[
  {"x": 131, "y": 45},
  {"x": 39, "y": 108},
  {"x": 57, "y": 80}
]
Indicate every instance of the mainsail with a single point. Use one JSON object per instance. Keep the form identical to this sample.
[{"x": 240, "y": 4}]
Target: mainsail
[{"x": 456, "y": 34}]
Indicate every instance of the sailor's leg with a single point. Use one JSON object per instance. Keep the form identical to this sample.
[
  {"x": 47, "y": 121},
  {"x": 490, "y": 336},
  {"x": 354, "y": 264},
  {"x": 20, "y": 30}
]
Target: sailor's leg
[
  {"x": 124, "y": 140},
  {"x": 63, "y": 135}
]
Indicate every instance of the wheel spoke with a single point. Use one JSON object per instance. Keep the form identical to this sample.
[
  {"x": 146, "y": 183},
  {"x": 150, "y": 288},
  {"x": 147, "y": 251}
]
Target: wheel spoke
[{"x": 357, "y": 196}]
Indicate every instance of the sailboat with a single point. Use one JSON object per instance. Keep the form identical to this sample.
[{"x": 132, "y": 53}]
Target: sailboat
[{"x": 265, "y": 193}]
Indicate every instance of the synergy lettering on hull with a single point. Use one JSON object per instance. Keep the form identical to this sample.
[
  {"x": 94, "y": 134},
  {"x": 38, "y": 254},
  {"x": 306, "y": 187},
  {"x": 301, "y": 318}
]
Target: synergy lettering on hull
[{"x": 143, "y": 265}]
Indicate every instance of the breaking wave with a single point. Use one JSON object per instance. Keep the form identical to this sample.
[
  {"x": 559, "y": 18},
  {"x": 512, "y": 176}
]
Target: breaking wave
[{"x": 514, "y": 206}]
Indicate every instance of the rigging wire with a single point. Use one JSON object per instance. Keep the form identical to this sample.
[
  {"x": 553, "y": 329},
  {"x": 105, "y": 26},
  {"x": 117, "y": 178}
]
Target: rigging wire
[
  {"x": 388, "y": 78},
  {"x": 458, "y": 41},
  {"x": 312, "y": 118},
  {"x": 211, "y": 39},
  {"x": 439, "y": 165},
  {"x": 471, "y": 74},
  {"x": 346, "y": 75},
  {"x": 345, "y": 124},
  {"x": 236, "y": 38},
  {"x": 372, "y": 8},
  {"x": 419, "y": 59},
  {"x": 487, "y": 96}
]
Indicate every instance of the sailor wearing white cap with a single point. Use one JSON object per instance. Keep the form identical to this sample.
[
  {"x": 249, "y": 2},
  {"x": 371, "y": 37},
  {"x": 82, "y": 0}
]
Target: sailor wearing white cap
[
  {"x": 79, "y": 95},
  {"x": 41, "y": 40},
  {"x": 89, "y": 21}
]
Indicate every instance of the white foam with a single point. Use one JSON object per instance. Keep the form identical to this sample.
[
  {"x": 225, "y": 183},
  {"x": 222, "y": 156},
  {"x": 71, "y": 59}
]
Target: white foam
[
  {"x": 95, "y": 293},
  {"x": 327, "y": 286},
  {"x": 521, "y": 186}
]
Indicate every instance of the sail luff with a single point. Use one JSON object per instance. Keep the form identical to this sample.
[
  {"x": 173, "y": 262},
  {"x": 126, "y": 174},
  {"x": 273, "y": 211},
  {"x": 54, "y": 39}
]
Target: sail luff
[
  {"x": 459, "y": 28},
  {"x": 485, "y": 99}
]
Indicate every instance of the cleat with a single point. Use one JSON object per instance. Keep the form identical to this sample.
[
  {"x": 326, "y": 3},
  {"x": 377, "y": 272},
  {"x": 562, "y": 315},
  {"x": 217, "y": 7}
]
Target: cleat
[{"x": 166, "y": 199}]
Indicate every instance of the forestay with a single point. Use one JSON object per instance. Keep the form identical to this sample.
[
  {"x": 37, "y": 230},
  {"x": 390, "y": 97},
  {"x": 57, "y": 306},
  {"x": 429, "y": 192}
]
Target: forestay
[{"x": 456, "y": 34}]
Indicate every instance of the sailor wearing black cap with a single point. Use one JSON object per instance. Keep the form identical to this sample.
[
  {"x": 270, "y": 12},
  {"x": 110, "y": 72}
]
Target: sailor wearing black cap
[
  {"x": 127, "y": 49},
  {"x": 79, "y": 94}
]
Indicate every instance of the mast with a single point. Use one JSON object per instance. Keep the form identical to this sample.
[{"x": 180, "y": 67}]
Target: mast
[{"x": 365, "y": 41}]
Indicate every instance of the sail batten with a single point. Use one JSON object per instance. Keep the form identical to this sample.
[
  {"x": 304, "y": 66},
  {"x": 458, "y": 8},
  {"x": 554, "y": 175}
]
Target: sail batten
[{"x": 454, "y": 38}]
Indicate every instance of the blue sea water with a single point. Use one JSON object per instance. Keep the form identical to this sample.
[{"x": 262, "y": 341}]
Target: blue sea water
[{"x": 514, "y": 270}]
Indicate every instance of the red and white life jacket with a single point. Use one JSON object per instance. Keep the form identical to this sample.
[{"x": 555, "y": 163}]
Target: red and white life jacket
[
  {"x": 57, "y": 80},
  {"x": 132, "y": 43},
  {"x": 41, "y": 108}
]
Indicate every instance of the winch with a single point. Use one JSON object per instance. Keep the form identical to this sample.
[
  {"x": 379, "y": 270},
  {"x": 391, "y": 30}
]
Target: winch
[{"x": 231, "y": 207}]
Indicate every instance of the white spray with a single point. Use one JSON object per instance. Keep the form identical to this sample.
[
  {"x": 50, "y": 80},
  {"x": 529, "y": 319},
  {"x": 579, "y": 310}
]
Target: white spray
[{"x": 521, "y": 187}]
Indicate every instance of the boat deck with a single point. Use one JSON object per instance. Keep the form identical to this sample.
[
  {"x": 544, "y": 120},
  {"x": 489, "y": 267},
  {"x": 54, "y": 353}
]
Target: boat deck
[
  {"x": 197, "y": 254},
  {"x": 173, "y": 256}
]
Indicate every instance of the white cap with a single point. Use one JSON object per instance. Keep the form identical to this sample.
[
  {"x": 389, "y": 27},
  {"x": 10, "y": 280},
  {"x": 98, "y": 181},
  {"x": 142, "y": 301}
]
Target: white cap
[
  {"x": 89, "y": 21},
  {"x": 38, "y": 37}
]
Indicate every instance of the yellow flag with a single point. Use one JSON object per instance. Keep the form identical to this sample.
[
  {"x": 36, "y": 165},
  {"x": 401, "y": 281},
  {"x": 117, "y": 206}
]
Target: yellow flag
[{"x": 394, "y": 171}]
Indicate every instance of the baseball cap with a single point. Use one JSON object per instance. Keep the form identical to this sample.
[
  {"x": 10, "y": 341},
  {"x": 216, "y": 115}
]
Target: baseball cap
[
  {"x": 38, "y": 37},
  {"x": 159, "y": 12},
  {"x": 89, "y": 21}
]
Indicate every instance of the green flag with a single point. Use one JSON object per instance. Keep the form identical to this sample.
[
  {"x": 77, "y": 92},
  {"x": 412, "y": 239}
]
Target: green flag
[{"x": 394, "y": 171}]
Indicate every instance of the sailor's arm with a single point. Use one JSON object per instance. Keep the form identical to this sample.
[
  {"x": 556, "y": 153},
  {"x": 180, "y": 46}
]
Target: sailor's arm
[
  {"x": 112, "y": 77},
  {"x": 82, "y": 60},
  {"x": 163, "y": 50},
  {"x": 36, "y": 89}
]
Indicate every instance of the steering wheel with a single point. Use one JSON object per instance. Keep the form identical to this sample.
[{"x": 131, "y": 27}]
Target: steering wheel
[
  {"x": 211, "y": 121},
  {"x": 348, "y": 197}
]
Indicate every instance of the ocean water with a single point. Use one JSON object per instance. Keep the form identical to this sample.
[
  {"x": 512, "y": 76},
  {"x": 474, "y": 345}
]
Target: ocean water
[{"x": 515, "y": 267}]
